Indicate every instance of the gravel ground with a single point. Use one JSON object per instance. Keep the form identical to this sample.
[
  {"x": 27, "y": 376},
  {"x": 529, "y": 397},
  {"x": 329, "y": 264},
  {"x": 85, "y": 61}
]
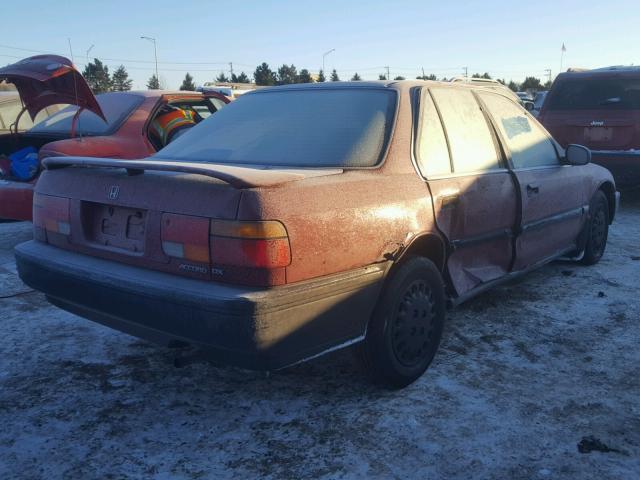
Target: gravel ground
[{"x": 526, "y": 374}]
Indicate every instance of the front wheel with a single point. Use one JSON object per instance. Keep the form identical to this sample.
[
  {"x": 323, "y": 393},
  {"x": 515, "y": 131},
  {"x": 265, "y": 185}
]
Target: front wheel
[
  {"x": 597, "y": 229},
  {"x": 405, "y": 330}
]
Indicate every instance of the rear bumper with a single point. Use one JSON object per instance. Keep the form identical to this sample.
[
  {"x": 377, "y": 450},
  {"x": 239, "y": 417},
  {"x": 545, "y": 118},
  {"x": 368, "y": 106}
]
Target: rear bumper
[
  {"x": 623, "y": 165},
  {"x": 263, "y": 329},
  {"x": 16, "y": 200}
]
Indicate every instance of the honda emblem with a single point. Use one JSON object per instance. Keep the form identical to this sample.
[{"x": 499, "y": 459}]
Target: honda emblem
[{"x": 114, "y": 192}]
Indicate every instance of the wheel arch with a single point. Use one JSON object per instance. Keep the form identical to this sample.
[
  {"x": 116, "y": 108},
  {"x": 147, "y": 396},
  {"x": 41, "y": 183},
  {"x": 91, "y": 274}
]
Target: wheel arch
[{"x": 609, "y": 191}]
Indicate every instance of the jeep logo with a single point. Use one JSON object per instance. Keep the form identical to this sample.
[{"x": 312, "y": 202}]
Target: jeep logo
[{"x": 114, "y": 192}]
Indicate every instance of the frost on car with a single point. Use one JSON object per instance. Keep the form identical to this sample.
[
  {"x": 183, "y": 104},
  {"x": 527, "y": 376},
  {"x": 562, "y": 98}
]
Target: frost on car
[{"x": 302, "y": 219}]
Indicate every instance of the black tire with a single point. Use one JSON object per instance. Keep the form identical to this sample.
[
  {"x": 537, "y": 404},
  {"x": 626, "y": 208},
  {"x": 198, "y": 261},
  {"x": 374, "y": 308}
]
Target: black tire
[
  {"x": 597, "y": 229},
  {"x": 398, "y": 348}
]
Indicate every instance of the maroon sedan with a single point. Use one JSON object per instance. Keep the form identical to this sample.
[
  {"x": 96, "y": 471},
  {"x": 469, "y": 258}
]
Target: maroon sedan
[
  {"x": 306, "y": 218},
  {"x": 114, "y": 125}
]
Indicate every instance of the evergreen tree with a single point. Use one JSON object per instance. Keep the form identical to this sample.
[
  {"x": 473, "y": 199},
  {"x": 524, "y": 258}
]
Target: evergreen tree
[
  {"x": 120, "y": 81},
  {"x": 187, "y": 83},
  {"x": 356, "y": 77},
  {"x": 242, "y": 78},
  {"x": 263, "y": 75},
  {"x": 321, "y": 77},
  {"x": 97, "y": 76},
  {"x": 287, "y": 74},
  {"x": 513, "y": 86},
  {"x": 382, "y": 76},
  {"x": 484, "y": 75},
  {"x": 222, "y": 78},
  {"x": 304, "y": 76},
  {"x": 399, "y": 77},
  {"x": 153, "y": 83},
  {"x": 334, "y": 76},
  {"x": 427, "y": 77},
  {"x": 531, "y": 83}
]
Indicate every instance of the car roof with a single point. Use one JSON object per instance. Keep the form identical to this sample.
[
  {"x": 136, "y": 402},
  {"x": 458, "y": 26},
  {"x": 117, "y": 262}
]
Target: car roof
[
  {"x": 620, "y": 70},
  {"x": 159, "y": 93},
  {"x": 398, "y": 85}
]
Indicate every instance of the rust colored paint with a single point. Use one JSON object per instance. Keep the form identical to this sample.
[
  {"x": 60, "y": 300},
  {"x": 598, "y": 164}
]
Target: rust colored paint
[{"x": 339, "y": 222}]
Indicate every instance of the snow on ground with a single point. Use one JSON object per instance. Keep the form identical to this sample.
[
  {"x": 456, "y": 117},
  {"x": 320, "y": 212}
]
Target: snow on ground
[{"x": 524, "y": 374}]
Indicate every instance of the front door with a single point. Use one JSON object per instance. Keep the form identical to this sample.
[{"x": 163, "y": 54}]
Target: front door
[
  {"x": 553, "y": 207},
  {"x": 474, "y": 195}
]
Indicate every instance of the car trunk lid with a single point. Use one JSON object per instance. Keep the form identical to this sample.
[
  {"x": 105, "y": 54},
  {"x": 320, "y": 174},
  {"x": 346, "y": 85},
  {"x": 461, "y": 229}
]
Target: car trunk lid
[
  {"x": 595, "y": 129},
  {"x": 46, "y": 80}
]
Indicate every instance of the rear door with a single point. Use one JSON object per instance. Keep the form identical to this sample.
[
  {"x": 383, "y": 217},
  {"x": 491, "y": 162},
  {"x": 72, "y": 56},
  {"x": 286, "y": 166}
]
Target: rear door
[
  {"x": 550, "y": 193},
  {"x": 474, "y": 196}
]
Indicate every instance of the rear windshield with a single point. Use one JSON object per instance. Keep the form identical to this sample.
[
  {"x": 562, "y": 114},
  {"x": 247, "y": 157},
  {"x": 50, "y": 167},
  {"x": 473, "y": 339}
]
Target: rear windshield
[
  {"x": 596, "y": 94},
  {"x": 296, "y": 128},
  {"x": 116, "y": 107}
]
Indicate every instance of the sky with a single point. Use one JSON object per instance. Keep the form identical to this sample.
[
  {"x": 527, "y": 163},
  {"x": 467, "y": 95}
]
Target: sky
[{"x": 443, "y": 37}]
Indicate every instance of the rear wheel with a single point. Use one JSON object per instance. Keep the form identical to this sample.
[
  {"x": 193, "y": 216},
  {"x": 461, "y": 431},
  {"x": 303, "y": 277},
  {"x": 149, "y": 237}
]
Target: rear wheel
[
  {"x": 405, "y": 330},
  {"x": 597, "y": 229}
]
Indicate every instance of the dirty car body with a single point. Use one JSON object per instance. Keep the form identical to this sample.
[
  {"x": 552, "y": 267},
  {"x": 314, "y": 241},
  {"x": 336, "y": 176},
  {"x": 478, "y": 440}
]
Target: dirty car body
[
  {"x": 280, "y": 228},
  {"x": 112, "y": 124}
]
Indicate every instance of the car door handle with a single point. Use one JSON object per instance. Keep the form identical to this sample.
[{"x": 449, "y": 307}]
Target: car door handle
[
  {"x": 533, "y": 189},
  {"x": 451, "y": 200}
]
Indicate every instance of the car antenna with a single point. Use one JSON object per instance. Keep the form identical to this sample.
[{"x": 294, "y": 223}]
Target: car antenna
[{"x": 75, "y": 92}]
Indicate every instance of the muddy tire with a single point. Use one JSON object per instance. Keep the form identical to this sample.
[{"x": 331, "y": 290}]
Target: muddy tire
[
  {"x": 405, "y": 329},
  {"x": 597, "y": 229}
]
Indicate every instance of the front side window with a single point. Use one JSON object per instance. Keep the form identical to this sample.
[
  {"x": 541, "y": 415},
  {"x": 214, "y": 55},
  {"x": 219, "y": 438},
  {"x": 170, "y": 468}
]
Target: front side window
[
  {"x": 433, "y": 154},
  {"x": 470, "y": 140},
  {"x": 526, "y": 140},
  {"x": 309, "y": 127}
]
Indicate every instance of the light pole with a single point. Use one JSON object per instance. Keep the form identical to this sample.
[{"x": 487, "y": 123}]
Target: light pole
[
  {"x": 323, "y": 57},
  {"x": 155, "y": 53},
  {"x": 88, "y": 50}
]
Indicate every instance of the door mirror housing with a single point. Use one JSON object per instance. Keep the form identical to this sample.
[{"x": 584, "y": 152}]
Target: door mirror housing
[
  {"x": 577, "y": 154},
  {"x": 529, "y": 106}
]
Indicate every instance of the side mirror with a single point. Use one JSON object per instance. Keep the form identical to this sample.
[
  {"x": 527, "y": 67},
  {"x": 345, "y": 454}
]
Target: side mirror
[
  {"x": 577, "y": 154},
  {"x": 529, "y": 106}
]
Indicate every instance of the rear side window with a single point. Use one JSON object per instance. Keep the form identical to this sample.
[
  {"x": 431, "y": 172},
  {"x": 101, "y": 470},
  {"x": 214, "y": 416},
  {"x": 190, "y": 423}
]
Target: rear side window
[
  {"x": 596, "y": 94},
  {"x": 433, "y": 154},
  {"x": 310, "y": 127},
  {"x": 527, "y": 141},
  {"x": 470, "y": 140}
]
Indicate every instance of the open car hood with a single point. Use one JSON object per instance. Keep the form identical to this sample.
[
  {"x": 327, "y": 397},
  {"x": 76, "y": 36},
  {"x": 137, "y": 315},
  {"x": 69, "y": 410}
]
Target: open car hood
[{"x": 45, "y": 80}]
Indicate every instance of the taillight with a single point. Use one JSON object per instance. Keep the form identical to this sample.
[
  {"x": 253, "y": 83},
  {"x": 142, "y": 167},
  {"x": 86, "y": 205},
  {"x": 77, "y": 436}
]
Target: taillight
[
  {"x": 185, "y": 237},
  {"x": 249, "y": 252},
  {"x": 50, "y": 215}
]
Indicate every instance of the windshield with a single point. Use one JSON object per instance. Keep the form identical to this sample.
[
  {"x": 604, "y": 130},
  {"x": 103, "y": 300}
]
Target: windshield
[
  {"x": 298, "y": 128},
  {"x": 596, "y": 94},
  {"x": 116, "y": 106}
]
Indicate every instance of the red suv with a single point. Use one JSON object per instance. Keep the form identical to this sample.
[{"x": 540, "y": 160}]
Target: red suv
[{"x": 601, "y": 110}]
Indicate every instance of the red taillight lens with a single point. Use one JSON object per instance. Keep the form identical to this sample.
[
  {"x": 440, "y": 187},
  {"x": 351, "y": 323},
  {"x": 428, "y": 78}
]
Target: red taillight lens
[
  {"x": 185, "y": 237},
  {"x": 250, "y": 244},
  {"x": 51, "y": 214},
  {"x": 250, "y": 252}
]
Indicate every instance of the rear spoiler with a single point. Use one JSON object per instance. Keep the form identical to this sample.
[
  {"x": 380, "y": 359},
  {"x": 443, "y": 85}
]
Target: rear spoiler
[{"x": 236, "y": 176}]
